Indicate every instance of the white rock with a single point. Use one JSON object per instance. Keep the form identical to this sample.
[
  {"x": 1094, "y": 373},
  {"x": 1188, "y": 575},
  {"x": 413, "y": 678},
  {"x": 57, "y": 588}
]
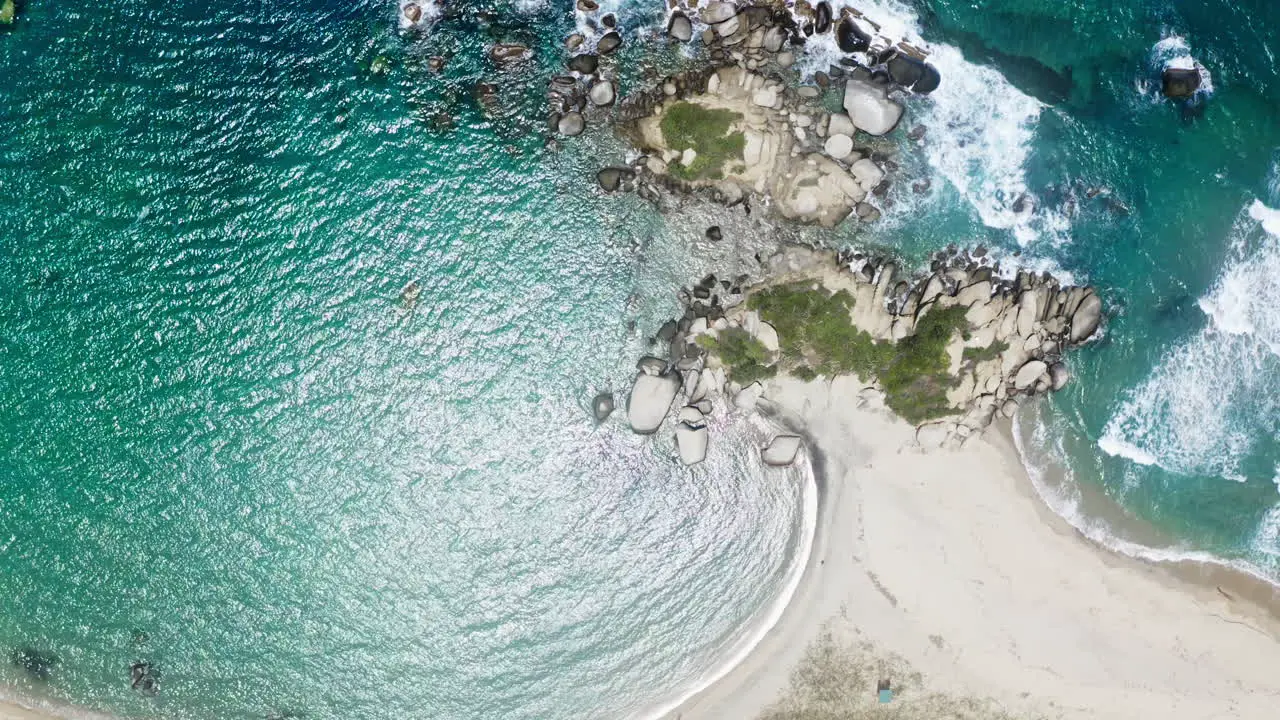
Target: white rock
[
  {"x": 748, "y": 396},
  {"x": 1058, "y": 376},
  {"x": 1085, "y": 320},
  {"x": 870, "y": 108},
  {"x": 932, "y": 435},
  {"x": 840, "y": 124},
  {"x": 691, "y": 436},
  {"x": 786, "y": 59},
  {"x": 1028, "y": 374},
  {"x": 728, "y": 27},
  {"x": 839, "y": 146},
  {"x": 698, "y": 326},
  {"x": 866, "y": 173},
  {"x": 1009, "y": 408},
  {"x": 718, "y": 12},
  {"x": 688, "y": 156},
  {"x": 713, "y": 84},
  {"x": 768, "y": 336},
  {"x": 765, "y": 97},
  {"x": 650, "y": 400},
  {"x": 602, "y": 93},
  {"x": 782, "y": 451}
]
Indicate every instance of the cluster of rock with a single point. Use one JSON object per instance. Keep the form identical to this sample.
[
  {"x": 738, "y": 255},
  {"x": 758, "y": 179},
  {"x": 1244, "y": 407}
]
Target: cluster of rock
[
  {"x": 1018, "y": 329},
  {"x": 586, "y": 84},
  {"x": 808, "y": 164},
  {"x": 1017, "y": 333}
]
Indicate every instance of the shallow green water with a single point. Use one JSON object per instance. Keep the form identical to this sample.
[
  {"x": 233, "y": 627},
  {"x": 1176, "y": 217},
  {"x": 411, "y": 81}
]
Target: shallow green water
[{"x": 221, "y": 428}]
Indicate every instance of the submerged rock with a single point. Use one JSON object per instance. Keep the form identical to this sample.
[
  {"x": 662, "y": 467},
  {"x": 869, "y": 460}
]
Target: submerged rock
[
  {"x": 1180, "y": 83},
  {"x": 650, "y": 400},
  {"x": 782, "y": 451},
  {"x": 714, "y": 234},
  {"x": 36, "y": 664},
  {"x": 611, "y": 178},
  {"x": 602, "y": 406},
  {"x": 145, "y": 678},
  {"x": 508, "y": 54}
]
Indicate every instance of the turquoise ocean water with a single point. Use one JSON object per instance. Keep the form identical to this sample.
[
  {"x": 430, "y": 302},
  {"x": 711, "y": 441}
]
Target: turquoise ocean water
[{"x": 220, "y": 429}]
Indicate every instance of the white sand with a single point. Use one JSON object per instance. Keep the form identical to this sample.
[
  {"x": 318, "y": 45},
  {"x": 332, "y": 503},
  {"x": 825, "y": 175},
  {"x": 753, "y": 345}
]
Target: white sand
[{"x": 955, "y": 545}]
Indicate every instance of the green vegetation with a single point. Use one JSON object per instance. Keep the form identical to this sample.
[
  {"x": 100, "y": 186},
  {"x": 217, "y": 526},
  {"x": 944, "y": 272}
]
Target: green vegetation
[
  {"x": 816, "y": 333},
  {"x": 989, "y": 352},
  {"x": 744, "y": 356},
  {"x": 8, "y": 10},
  {"x": 689, "y": 125}
]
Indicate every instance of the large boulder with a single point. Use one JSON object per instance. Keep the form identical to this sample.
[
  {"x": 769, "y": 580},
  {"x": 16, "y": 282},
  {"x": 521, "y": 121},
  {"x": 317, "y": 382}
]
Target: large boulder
[
  {"x": 1058, "y": 376},
  {"x": 679, "y": 27},
  {"x": 782, "y": 451},
  {"x": 914, "y": 73},
  {"x": 571, "y": 124},
  {"x": 718, "y": 12},
  {"x": 870, "y": 108},
  {"x": 585, "y": 64},
  {"x": 691, "y": 436},
  {"x": 610, "y": 42},
  {"x": 507, "y": 54},
  {"x": 850, "y": 37},
  {"x": 1180, "y": 83},
  {"x": 1085, "y": 320},
  {"x": 650, "y": 400},
  {"x": 1028, "y": 374},
  {"x": 602, "y": 93}
]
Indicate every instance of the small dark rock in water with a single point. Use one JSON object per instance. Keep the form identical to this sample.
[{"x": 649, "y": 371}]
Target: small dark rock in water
[
  {"x": 714, "y": 234},
  {"x": 922, "y": 186},
  {"x": 667, "y": 331},
  {"x": 708, "y": 282},
  {"x": 508, "y": 54},
  {"x": 610, "y": 42},
  {"x": 602, "y": 406},
  {"x": 588, "y": 5},
  {"x": 822, "y": 80},
  {"x": 409, "y": 294},
  {"x": 585, "y": 63},
  {"x": 609, "y": 21},
  {"x": 822, "y": 21},
  {"x": 1024, "y": 203},
  {"x": 882, "y": 188},
  {"x": 917, "y": 132},
  {"x": 435, "y": 63},
  {"x": 679, "y": 27},
  {"x": 412, "y": 12},
  {"x": 37, "y": 664},
  {"x": 850, "y": 37},
  {"x": 611, "y": 178},
  {"x": 571, "y": 124},
  {"x": 145, "y": 678},
  {"x": 1180, "y": 83},
  {"x": 701, "y": 293},
  {"x": 574, "y": 41}
]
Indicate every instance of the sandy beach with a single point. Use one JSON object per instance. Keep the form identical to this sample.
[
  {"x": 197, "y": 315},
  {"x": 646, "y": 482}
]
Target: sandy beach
[{"x": 947, "y": 575}]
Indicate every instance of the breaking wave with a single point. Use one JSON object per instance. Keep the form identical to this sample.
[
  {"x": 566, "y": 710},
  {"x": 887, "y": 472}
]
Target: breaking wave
[{"x": 1201, "y": 409}]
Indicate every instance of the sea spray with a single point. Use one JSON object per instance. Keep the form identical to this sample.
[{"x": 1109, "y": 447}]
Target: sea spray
[{"x": 1198, "y": 411}]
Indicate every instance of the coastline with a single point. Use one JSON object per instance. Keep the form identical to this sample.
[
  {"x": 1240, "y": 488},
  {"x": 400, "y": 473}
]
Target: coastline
[{"x": 952, "y": 563}]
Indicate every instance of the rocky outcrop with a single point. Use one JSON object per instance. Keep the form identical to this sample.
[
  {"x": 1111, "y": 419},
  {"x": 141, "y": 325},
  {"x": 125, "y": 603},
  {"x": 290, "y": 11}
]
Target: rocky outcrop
[
  {"x": 602, "y": 406},
  {"x": 1180, "y": 83}
]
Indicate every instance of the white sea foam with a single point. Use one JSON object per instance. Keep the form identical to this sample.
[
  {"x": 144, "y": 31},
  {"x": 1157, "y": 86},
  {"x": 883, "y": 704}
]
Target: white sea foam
[
  {"x": 1065, "y": 501},
  {"x": 1201, "y": 408}
]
